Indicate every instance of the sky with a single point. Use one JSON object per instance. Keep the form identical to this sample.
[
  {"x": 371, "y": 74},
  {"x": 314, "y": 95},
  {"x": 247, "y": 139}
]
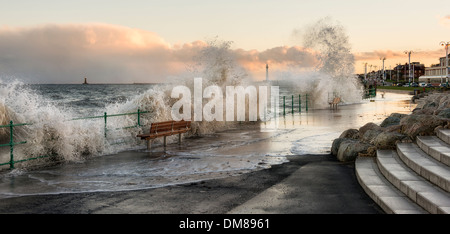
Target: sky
[{"x": 149, "y": 41}]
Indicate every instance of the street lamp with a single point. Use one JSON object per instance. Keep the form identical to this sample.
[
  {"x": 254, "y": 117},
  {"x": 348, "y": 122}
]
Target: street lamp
[
  {"x": 365, "y": 72},
  {"x": 409, "y": 62},
  {"x": 446, "y": 44},
  {"x": 384, "y": 77}
]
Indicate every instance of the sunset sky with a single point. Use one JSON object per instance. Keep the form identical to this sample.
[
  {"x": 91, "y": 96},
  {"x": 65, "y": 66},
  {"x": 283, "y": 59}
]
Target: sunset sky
[{"x": 144, "y": 41}]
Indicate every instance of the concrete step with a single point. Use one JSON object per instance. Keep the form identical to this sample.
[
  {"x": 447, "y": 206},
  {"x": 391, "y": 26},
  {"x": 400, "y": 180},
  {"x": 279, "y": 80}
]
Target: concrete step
[
  {"x": 424, "y": 165},
  {"x": 444, "y": 135},
  {"x": 389, "y": 198},
  {"x": 435, "y": 147},
  {"x": 430, "y": 197}
]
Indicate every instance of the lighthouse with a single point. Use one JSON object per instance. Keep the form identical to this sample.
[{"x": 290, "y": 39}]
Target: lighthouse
[
  {"x": 85, "y": 80},
  {"x": 267, "y": 72}
]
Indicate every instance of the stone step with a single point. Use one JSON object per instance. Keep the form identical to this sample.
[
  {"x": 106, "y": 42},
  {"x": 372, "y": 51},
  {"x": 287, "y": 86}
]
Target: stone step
[
  {"x": 389, "y": 198},
  {"x": 430, "y": 197},
  {"x": 444, "y": 135},
  {"x": 424, "y": 165},
  {"x": 435, "y": 147}
]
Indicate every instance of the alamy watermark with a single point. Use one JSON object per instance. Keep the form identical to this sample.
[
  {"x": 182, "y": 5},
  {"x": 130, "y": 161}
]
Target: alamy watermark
[{"x": 235, "y": 99}]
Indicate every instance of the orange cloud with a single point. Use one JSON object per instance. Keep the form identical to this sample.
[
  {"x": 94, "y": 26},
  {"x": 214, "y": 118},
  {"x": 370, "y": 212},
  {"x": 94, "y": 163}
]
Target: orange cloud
[
  {"x": 395, "y": 57},
  {"x": 445, "y": 21},
  {"x": 281, "y": 56},
  {"x": 106, "y": 53}
]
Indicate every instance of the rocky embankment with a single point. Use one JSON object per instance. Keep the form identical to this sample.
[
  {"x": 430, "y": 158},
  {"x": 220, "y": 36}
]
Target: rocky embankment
[{"x": 432, "y": 112}]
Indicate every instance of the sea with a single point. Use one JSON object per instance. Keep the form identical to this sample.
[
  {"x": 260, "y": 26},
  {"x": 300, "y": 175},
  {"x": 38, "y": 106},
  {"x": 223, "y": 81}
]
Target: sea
[{"x": 86, "y": 152}]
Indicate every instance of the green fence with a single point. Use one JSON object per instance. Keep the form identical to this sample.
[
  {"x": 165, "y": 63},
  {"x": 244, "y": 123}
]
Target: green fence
[
  {"x": 11, "y": 127},
  {"x": 293, "y": 106},
  {"x": 370, "y": 93}
]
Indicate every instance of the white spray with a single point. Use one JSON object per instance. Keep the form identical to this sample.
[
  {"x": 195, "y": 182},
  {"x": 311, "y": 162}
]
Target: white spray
[{"x": 334, "y": 74}]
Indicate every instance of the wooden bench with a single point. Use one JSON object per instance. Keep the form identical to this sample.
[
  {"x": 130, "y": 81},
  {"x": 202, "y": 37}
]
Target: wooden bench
[
  {"x": 335, "y": 102},
  {"x": 164, "y": 129}
]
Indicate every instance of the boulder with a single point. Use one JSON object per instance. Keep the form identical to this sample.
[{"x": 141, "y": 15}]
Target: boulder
[
  {"x": 366, "y": 127},
  {"x": 420, "y": 125},
  {"x": 350, "y": 149},
  {"x": 350, "y": 133},
  {"x": 398, "y": 115},
  {"x": 388, "y": 140},
  {"x": 337, "y": 143},
  {"x": 445, "y": 113},
  {"x": 394, "y": 128},
  {"x": 430, "y": 105},
  {"x": 370, "y": 135},
  {"x": 428, "y": 111},
  {"x": 389, "y": 121}
]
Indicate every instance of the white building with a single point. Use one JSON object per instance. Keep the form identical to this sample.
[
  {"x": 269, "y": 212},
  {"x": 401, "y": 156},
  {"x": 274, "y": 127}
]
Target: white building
[{"x": 436, "y": 73}]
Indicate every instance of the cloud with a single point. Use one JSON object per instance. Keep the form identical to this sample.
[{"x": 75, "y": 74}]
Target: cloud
[
  {"x": 396, "y": 55},
  {"x": 104, "y": 53},
  {"x": 65, "y": 53},
  {"x": 377, "y": 54},
  {"x": 426, "y": 57},
  {"x": 281, "y": 57},
  {"x": 444, "y": 21}
]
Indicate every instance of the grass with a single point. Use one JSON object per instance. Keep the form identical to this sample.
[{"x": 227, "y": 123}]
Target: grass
[{"x": 403, "y": 88}]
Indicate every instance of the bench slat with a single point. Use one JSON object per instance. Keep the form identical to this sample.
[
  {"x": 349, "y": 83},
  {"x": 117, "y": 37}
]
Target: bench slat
[{"x": 166, "y": 128}]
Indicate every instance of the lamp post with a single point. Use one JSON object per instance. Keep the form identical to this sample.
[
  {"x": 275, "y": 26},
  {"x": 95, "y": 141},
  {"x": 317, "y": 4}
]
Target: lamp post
[
  {"x": 384, "y": 76},
  {"x": 446, "y": 44},
  {"x": 376, "y": 73},
  {"x": 409, "y": 62},
  {"x": 365, "y": 72},
  {"x": 398, "y": 70}
]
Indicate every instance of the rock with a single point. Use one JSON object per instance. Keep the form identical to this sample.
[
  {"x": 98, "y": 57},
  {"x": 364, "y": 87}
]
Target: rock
[
  {"x": 393, "y": 119},
  {"x": 371, "y": 152},
  {"x": 443, "y": 104},
  {"x": 445, "y": 113},
  {"x": 349, "y": 150},
  {"x": 431, "y": 114},
  {"x": 394, "y": 128},
  {"x": 370, "y": 135},
  {"x": 398, "y": 115},
  {"x": 430, "y": 105},
  {"x": 389, "y": 121},
  {"x": 387, "y": 140},
  {"x": 428, "y": 111},
  {"x": 414, "y": 125},
  {"x": 366, "y": 127},
  {"x": 337, "y": 143},
  {"x": 350, "y": 133}
]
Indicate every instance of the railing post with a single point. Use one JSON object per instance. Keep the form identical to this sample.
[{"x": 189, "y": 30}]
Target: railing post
[
  {"x": 306, "y": 102},
  {"x": 299, "y": 103},
  {"x": 11, "y": 145},
  {"x": 139, "y": 118},
  {"x": 105, "y": 116},
  {"x": 292, "y": 107}
]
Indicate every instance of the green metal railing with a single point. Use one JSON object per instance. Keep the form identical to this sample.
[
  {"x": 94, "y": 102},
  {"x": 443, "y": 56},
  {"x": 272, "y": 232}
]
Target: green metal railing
[
  {"x": 105, "y": 117},
  {"x": 292, "y": 104},
  {"x": 11, "y": 144},
  {"x": 11, "y": 127},
  {"x": 370, "y": 93}
]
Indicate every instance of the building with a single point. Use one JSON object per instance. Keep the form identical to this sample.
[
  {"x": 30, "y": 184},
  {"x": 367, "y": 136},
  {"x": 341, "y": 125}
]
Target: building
[
  {"x": 436, "y": 73},
  {"x": 401, "y": 72}
]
